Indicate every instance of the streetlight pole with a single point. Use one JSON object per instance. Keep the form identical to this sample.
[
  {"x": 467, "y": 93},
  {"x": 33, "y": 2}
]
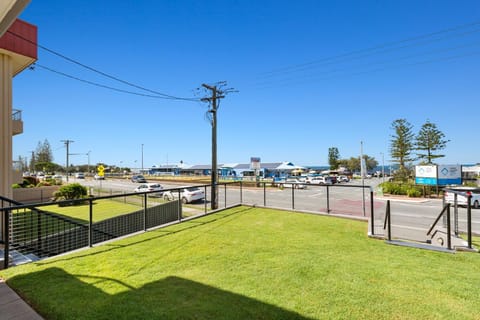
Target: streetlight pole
[
  {"x": 142, "y": 160},
  {"x": 88, "y": 163},
  {"x": 362, "y": 173},
  {"x": 383, "y": 167}
]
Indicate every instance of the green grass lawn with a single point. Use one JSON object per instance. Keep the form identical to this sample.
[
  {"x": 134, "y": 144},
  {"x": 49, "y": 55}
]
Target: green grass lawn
[
  {"x": 251, "y": 263},
  {"x": 102, "y": 209}
]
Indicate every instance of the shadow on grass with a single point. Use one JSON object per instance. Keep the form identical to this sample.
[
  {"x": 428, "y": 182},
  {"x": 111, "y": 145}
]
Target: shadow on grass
[
  {"x": 160, "y": 233},
  {"x": 59, "y": 295}
]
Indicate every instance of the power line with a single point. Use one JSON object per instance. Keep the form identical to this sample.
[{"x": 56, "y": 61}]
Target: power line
[
  {"x": 324, "y": 74},
  {"x": 102, "y": 85},
  {"x": 384, "y": 45},
  {"x": 98, "y": 71}
]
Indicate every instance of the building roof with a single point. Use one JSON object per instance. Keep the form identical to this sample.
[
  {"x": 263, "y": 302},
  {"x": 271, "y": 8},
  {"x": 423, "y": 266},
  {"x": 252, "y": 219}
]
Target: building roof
[
  {"x": 20, "y": 43},
  {"x": 9, "y": 11}
]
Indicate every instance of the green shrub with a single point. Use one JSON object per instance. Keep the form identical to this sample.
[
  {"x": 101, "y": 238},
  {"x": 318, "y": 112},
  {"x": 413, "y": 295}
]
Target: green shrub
[
  {"x": 413, "y": 192},
  {"x": 29, "y": 181},
  {"x": 71, "y": 192},
  {"x": 396, "y": 188},
  {"x": 44, "y": 184},
  {"x": 16, "y": 186}
]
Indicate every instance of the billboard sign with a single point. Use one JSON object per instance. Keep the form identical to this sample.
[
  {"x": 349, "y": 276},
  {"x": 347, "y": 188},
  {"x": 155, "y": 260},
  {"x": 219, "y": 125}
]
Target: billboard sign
[
  {"x": 426, "y": 175},
  {"x": 440, "y": 175},
  {"x": 449, "y": 174},
  {"x": 255, "y": 163}
]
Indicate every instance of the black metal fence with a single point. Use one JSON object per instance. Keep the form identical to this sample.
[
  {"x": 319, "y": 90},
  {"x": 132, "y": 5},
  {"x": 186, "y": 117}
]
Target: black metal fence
[
  {"x": 40, "y": 230},
  {"x": 448, "y": 219}
]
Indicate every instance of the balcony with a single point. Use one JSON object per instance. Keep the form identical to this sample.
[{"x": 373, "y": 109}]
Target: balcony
[{"x": 17, "y": 123}]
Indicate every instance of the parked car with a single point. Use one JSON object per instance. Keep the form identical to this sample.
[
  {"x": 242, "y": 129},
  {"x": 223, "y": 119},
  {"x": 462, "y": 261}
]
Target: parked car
[
  {"x": 138, "y": 178},
  {"x": 333, "y": 179},
  {"x": 148, "y": 187},
  {"x": 187, "y": 194},
  {"x": 320, "y": 180},
  {"x": 292, "y": 183},
  {"x": 462, "y": 196},
  {"x": 79, "y": 175},
  {"x": 343, "y": 179}
]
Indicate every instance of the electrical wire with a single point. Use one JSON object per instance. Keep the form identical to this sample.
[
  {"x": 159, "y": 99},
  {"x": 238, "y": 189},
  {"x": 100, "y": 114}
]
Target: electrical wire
[
  {"x": 98, "y": 84},
  {"x": 167, "y": 96},
  {"x": 377, "y": 62},
  {"x": 356, "y": 52}
]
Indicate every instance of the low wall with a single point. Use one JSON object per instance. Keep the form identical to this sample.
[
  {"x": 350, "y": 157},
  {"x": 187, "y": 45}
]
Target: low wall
[{"x": 33, "y": 195}]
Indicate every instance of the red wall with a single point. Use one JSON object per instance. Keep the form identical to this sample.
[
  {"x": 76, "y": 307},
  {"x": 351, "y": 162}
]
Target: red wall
[{"x": 24, "y": 44}]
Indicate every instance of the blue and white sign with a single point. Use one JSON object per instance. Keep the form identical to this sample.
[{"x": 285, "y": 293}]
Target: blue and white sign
[
  {"x": 440, "y": 175},
  {"x": 426, "y": 175},
  {"x": 449, "y": 174}
]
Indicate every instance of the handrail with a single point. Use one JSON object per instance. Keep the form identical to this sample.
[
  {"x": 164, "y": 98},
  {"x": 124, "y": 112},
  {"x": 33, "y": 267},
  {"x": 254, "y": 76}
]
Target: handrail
[
  {"x": 387, "y": 218},
  {"x": 16, "y": 114},
  {"x": 11, "y": 201},
  {"x": 438, "y": 218}
]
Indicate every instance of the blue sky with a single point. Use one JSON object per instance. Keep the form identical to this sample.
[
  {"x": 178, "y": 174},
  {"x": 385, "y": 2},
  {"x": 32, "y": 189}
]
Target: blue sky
[{"x": 310, "y": 75}]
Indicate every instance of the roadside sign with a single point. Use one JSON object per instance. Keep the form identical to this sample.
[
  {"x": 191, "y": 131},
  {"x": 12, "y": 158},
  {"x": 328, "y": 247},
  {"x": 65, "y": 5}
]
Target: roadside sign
[
  {"x": 426, "y": 175},
  {"x": 449, "y": 174},
  {"x": 101, "y": 170},
  {"x": 440, "y": 175}
]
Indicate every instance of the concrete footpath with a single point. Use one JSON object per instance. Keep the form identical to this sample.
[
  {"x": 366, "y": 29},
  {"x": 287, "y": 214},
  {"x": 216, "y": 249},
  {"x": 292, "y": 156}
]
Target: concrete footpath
[{"x": 12, "y": 307}]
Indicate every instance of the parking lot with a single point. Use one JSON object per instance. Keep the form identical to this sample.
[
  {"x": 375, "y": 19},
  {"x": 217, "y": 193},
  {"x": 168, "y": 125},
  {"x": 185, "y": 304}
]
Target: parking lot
[{"x": 415, "y": 214}]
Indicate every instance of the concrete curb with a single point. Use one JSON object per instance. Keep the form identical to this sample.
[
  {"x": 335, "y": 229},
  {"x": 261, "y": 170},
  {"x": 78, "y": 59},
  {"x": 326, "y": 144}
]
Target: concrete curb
[{"x": 12, "y": 307}]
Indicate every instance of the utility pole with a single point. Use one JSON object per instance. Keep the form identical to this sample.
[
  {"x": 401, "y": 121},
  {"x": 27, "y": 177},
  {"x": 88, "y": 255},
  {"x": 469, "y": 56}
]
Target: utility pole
[
  {"x": 67, "y": 145},
  {"x": 214, "y": 100},
  {"x": 213, "y": 111}
]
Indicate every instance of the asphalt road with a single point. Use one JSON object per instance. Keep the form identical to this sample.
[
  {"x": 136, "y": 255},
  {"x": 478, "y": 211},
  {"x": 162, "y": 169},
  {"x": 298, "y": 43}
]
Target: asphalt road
[{"x": 414, "y": 216}]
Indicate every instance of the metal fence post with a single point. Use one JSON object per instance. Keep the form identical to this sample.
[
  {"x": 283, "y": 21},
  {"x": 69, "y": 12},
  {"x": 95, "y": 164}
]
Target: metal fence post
[
  {"x": 179, "y": 205},
  {"x": 372, "y": 214},
  {"x": 205, "y": 199},
  {"x": 6, "y": 249},
  {"x": 241, "y": 192},
  {"x": 449, "y": 236},
  {"x": 90, "y": 222},
  {"x": 328, "y": 199},
  {"x": 469, "y": 221},
  {"x": 293, "y": 196},
  {"x": 225, "y": 188},
  {"x": 264, "y": 195},
  {"x": 145, "y": 212},
  {"x": 389, "y": 217}
]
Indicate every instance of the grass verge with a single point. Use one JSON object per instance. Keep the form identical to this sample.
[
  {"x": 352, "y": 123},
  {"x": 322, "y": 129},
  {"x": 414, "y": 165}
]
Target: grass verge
[{"x": 251, "y": 263}]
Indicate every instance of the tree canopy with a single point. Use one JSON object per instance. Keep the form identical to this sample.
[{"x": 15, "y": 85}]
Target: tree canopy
[
  {"x": 428, "y": 141},
  {"x": 402, "y": 143},
  {"x": 333, "y": 157}
]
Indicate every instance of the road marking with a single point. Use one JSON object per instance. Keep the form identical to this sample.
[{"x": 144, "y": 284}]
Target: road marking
[{"x": 317, "y": 194}]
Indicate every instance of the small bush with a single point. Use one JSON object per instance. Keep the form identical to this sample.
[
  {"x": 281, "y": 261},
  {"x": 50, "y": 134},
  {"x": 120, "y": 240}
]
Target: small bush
[
  {"x": 396, "y": 188},
  {"x": 70, "y": 192},
  {"x": 413, "y": 192},
  {"x": 16, "y": 186},
  {"x": 29, "y": 181},
  {"x": 44, "y": 184}
]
